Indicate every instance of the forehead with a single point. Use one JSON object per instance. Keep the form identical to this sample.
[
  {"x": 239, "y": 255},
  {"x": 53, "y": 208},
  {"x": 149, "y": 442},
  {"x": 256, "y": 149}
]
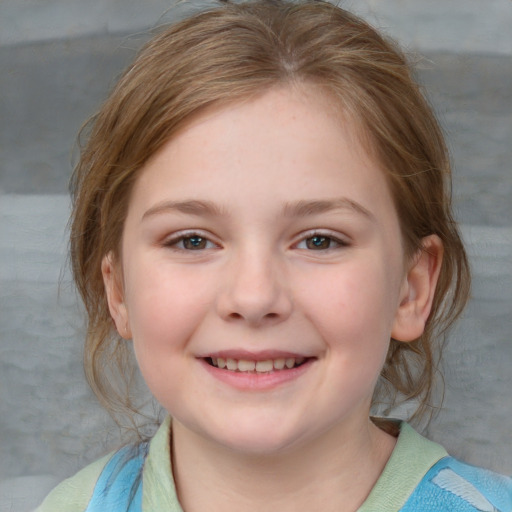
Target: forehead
[
  {"x": 307, "y": 97},
  {"x": 287, "y": 143}
]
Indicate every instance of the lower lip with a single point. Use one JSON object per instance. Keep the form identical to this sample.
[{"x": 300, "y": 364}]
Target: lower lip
[{"x": 253, "y": 381}]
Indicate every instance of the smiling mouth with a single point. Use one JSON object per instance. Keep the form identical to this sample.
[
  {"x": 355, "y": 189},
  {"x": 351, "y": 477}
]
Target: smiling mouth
[{"x": 247, "y": 366}]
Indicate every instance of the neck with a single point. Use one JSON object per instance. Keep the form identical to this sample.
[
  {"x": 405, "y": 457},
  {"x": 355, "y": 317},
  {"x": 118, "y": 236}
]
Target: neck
[{"x": 332, "y": 473}]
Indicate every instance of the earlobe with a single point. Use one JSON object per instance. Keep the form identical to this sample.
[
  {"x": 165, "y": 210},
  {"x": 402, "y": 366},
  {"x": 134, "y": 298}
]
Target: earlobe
[
  {"x": 115, "y": 295},
  {"x": 418, "y": 290}
]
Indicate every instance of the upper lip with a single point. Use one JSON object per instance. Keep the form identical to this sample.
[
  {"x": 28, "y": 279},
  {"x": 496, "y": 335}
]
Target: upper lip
[{"x": 248, "y": 355}]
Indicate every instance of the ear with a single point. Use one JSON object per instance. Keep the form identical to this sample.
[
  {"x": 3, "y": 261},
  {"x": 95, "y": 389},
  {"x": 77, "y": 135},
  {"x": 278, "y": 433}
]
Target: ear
[
  {"x": 115, "y": 295},
  {"x": 417, "y": 292}
]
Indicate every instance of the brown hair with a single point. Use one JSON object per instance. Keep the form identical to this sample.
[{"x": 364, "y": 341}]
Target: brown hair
[{"x": 234, "y": 52}]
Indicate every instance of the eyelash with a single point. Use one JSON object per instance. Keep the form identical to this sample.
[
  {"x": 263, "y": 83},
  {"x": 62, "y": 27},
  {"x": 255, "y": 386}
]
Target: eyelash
[
  {"x": 339, "y": 243},
  {"x": 173, "y": 243}
]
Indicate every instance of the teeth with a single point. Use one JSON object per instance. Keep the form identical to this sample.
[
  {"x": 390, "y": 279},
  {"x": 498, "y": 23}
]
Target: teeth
[
  {"x": 246, "y": 366},
  {"x": 279, "y": 364},
  {"x": 268, "y": 365},
  {"x": 264, "y": 366}
]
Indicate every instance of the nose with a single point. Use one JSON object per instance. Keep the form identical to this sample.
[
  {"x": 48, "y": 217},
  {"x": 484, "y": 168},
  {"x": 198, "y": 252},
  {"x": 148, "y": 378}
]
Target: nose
[{"x": 255, "y": 291}]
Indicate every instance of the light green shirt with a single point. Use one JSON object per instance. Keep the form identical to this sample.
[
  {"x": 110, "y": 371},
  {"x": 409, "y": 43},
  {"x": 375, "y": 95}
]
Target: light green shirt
[{"x": 412, "y": 457}]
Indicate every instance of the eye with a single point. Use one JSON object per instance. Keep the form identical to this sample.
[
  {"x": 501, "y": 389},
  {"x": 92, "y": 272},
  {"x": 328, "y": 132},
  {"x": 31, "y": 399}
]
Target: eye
[
  {"x": 190, "y": 242},
  {"x": 321, "y": 242}
]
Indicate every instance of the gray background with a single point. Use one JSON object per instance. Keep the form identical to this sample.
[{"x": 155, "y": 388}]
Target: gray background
[{"x": 57, "y": 60}]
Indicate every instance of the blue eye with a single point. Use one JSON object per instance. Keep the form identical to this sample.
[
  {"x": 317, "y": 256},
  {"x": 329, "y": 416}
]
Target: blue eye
[
  {"x": 192, "y": 242},
  {"x": 320, "y": 242}
]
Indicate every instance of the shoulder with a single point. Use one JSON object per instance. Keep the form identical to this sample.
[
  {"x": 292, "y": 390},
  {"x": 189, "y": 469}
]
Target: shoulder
[
  {"x": 73, "y": 494},
  {"x": 454, "y": 485},
  {"x": 115, "y": 481},
  {"x": 420, "y": 476},
  {"x": 411, "y": 459}
]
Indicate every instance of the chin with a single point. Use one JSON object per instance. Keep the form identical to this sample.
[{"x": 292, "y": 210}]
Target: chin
[
  {"x": 252, "y": 431},
  {"x": 262, "y": 446},
  {"x": 256, "y": 439}
]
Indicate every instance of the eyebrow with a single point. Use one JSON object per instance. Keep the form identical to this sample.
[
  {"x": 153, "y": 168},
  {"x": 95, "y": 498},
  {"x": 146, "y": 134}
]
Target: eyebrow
[
  {"x": 190, "y": 207},
  {"x": 306, "y": 208},
  {"x": 300, "y": 208}
]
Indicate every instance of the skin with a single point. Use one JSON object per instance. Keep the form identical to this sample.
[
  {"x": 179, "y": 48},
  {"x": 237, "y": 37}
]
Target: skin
[{"x": 268, "y": 277}]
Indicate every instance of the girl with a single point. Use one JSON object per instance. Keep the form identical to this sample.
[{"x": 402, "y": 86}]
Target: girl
[{"x": 262, "y": 211}]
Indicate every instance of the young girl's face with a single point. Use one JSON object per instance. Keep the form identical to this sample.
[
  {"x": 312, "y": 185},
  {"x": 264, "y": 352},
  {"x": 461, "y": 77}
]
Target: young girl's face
[{"x": 262, "y": 274}]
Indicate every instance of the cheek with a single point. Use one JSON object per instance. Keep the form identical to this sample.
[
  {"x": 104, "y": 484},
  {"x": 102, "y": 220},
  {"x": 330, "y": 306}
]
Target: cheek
[
  {"x": 356, "y": 292},
  {"x": 164, "y": 314},
  {"x": 166, "y": 309},
  {"x": 352, "y": 307}
]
